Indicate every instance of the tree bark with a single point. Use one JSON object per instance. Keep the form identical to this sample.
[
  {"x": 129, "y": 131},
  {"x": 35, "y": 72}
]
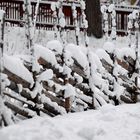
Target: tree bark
[{"x": 94, "y": 18}]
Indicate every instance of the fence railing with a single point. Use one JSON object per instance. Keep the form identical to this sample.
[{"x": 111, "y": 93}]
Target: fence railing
[
  {"x": 14, "y": 13},
  {"x": 122, "y": 13}
]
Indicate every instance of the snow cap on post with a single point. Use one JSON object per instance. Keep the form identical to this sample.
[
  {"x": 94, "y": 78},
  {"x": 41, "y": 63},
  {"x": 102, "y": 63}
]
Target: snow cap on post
[
  {"x": 111, "y": 8},
  {"x": 135, "y": 14},
  {"x": 103, "y": 9},
  {"x": 2, "y": 12},
  {"x": 53, "y": 6},
  {"x": 83, "y": 5}
]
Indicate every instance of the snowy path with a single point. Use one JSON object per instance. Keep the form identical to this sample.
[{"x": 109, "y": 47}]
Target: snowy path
[{"x": 108, "y": 123}]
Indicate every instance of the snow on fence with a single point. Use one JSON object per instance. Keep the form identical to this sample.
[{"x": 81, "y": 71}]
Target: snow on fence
[
  {"x": 15, "y": 13},
  {"x": 112, "y": 79}
]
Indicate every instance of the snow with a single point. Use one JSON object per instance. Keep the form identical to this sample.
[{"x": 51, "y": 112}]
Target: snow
[
  {"x": 109, "y": 47},
  {"x": 45, "y": 53},
  {"x": 74, "y": 11},
  {"x": 55, "y": 46},
  {"x": 67, "y": 71},
  {"x": 37, "y": 90},
  {"x": 78, "y": 55},
  {"x": 117, "y": 123},
  {"x": 120, "y": 53},
  {"x": 108, "y": 122},
  {"x": 135, "y": 14},
  {"x": 45, "y": 99},
  {"x": 16, "y": 66},
  {"x": 118, "y": 70},
  {"x": 5, "y": 112},
  {"x": 118, "y": 90},
  {"x": 42, "y": 37},
  {"x": 83, "y": 6},
  {"x": 53, "y": 6},
  {"x": 111, "y": 7},
  {"x": 62, "y": 22},
  {"x": 5, "y": 81},
  {"x": 1, "y": 14},
  {"x": 103, "y": 9},
  {"x": 69, "y": 91},
  {"x": 78, "y": 78},
  {"x": 96, "y": 64},
  {"x": 103, "y": 55},
  {"x": 46, "y": 75},
  {"x": 58, "y": 88}
]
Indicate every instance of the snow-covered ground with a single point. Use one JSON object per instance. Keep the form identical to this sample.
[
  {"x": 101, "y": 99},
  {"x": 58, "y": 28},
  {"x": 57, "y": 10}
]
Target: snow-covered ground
[
  {"x": 17, "y": 46},
  {"x": 108, "y": 123}
]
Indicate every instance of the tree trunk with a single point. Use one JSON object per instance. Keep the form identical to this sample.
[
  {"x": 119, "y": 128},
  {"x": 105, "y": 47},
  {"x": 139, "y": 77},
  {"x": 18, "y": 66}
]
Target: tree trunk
[{"x": 94, "y": 18}]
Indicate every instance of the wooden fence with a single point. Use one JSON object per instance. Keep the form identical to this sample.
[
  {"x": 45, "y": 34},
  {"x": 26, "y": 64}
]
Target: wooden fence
[
  {"x": 122, "y": 13},
  {"x": 14, "y": 13}
]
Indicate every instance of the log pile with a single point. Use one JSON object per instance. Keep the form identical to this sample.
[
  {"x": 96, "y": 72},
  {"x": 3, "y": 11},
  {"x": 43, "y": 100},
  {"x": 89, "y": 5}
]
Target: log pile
[{"x": 51, "y": 100}]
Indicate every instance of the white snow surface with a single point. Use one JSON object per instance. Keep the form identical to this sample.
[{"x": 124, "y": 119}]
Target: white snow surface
[
  {"x": 117, "y": 123},
  {"x": 109, "y": 47},
  {"x": 120, "y": 53},
  {"x": 103, "y": 55},
  {"x": 1, "y": 13},
  {"x": 15, "y": 65},
  {"x": 78, "y": 55},
  {"x": 55, "y": 46},
  {"x": 45, "y": 53}
]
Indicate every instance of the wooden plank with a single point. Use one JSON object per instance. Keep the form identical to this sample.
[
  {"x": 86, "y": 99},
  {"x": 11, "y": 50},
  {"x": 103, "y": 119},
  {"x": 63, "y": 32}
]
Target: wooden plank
[
  {"x": 58, "y": 74},
  {"x": 54, "y": 99},
  {"x": 126, "y": 99},
  {"x": 18, "y": 97},
  {"x": 45, "y": 64},
  {"x": 20, "y": 110},
  {"x": 130, "y": 60},
  {"x": 78, "y": 69},
  {"x": 31, "y": 104},
  {"x": 18, "y": 80},
  {"x": 125, "y": 65},
  {"x": 107, "y": 66},
  {"x": 36, "y": 100}
]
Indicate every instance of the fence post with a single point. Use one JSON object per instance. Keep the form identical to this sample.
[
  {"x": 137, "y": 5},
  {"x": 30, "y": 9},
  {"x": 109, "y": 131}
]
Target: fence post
[
  {"x": 75, "y": 22},
  {"x": 2, "y": 16},
  {"x": 136, "y": 26},
  {"x": 5, "y": 118},
  {"x": 28, "y": 23}
]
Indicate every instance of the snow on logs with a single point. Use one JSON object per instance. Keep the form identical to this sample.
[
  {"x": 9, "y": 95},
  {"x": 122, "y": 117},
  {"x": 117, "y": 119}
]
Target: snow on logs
[
  {"x": 17, "y": 72},
  {"x": 123, "y": 69},
  {"x": 108, "y": 66}
]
